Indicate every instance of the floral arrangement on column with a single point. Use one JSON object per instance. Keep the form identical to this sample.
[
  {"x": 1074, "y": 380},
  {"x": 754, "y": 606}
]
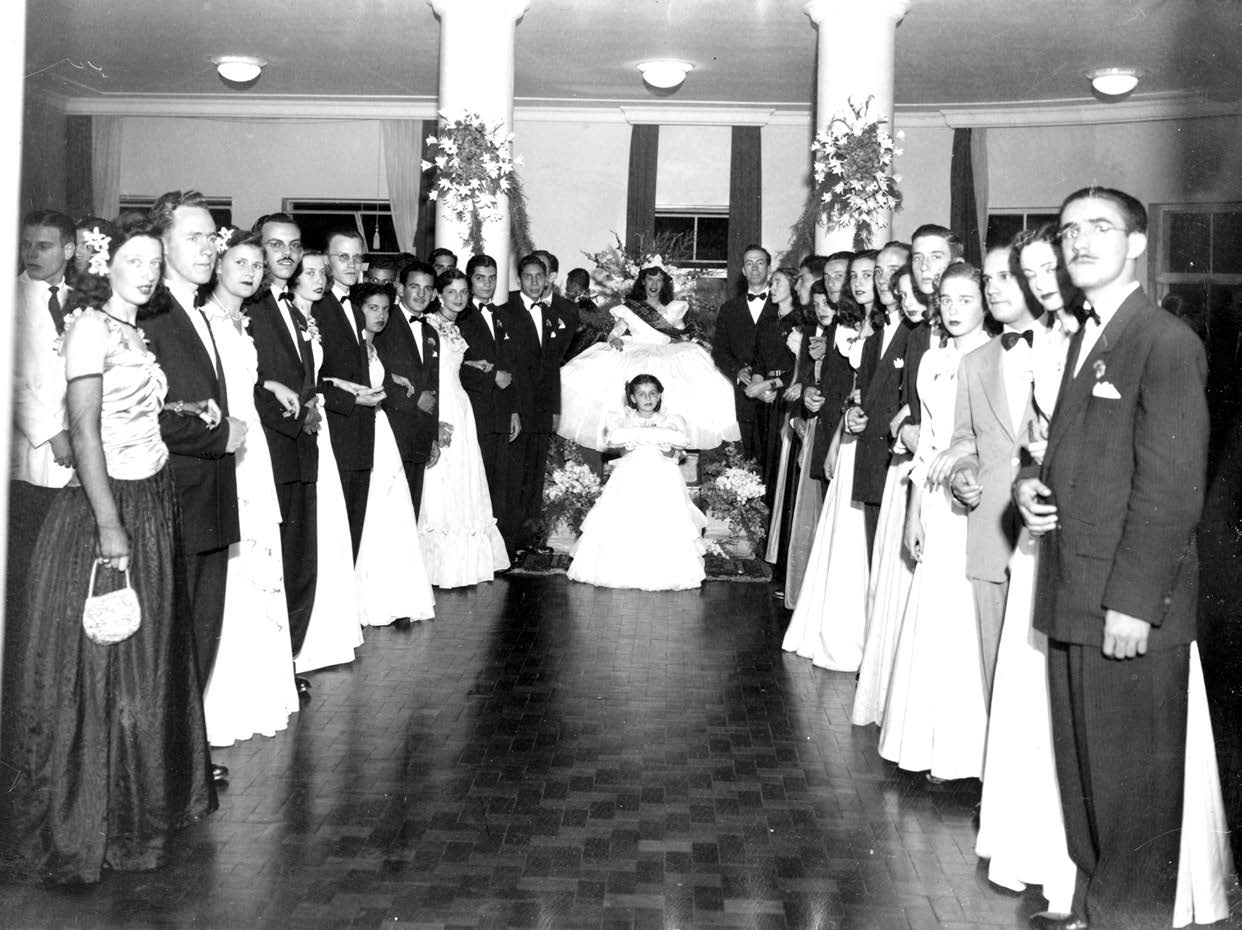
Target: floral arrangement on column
[
  {"x": 473, "y": 169},
  {"x": 853, "y": 180}
]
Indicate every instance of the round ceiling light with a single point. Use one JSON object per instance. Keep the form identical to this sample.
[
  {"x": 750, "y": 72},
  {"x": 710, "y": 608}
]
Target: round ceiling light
[
  {"x": 664, "y": 73},
  {"x": 239, "y": 69},
  {"x": 1113, "y": 82}
]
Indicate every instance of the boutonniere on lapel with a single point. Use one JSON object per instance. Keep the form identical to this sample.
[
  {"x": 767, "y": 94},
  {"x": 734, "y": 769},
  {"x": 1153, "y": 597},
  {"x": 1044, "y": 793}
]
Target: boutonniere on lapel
[
  {"x": 899, "y": 363},
  {"x": 1102, "y": 388},
  {"x": 311, "y": 333}
]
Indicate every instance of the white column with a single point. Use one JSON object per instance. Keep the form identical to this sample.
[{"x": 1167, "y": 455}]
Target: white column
[
  {"x": 476, "y": 75},
  {"x": 856, "y": 49}
]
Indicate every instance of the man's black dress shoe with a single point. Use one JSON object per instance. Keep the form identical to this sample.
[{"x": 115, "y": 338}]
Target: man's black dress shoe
[
  {"x": 303, "y": 687},
  {"x": 1046, "y": 920}
]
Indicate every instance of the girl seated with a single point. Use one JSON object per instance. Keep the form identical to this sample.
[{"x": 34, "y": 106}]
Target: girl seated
[
  {"x": 644, "y": 531},
  {"x": 651, "y": 334}
]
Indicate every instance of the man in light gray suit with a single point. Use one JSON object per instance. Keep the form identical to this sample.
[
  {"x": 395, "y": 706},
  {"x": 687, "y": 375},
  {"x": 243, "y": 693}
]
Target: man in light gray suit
[{"x": 993, "y": 409}]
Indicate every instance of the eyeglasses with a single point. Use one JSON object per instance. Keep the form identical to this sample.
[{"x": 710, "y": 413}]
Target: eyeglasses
[
  {"x": 1072, "y": 232},
  {"x": 347, "y": 259}
]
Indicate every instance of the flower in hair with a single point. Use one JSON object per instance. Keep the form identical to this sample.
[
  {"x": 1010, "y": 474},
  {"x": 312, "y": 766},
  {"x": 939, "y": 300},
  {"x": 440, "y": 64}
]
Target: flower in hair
[
  {"x": 222, "y": 240},
  {"x": 97, "y": 242}
]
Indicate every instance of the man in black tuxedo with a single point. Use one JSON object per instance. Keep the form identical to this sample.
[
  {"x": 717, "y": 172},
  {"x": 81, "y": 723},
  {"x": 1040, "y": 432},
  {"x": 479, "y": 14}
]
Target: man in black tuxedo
[
  {"x": 282, "y": 340},
  {"x": 733, "y": 347},
  {"x": 539, "y": 337},
  {"x": 351, "y": 413},
  {"x": 409, "y": 347},
  {"x": 201, "y": 456},
  {"x": 879, "y": 382},
  {"x": 1119, "y": 497},
  {"x": 493, "y": 395}
]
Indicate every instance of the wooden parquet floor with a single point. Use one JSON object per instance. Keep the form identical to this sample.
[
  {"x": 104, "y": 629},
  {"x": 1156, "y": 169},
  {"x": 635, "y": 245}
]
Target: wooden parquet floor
[{"x": 549, "y": 755}]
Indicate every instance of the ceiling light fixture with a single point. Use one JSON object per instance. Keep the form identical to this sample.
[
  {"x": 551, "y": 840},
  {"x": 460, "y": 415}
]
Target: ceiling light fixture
[
  {"x": 664, "y": 72},
  {"x": 238, "y": 69},
  {"x": 1113, "y": 82}
]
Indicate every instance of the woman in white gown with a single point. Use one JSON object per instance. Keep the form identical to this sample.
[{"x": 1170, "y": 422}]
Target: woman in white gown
[
  {"x": 251, "y": 689},
  {"x": 935, "y": 720},
  {"x": 460, "y": 542},
  {"x": 334, "y": 630},
  {"x": 1021, "y": 828},
  {"x": 891, "y": 568},
  {"x": 651, "y": 336},
  {"x": 829, "y": 622},
  {"x": 392, "y": 582},
  {"x": 644, "y": 531}
]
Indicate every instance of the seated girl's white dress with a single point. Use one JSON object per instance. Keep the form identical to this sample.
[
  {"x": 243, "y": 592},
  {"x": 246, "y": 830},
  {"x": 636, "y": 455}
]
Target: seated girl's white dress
[
  {"x": 392, "y": 581},
  {"x": 592, "y": 384},
  {"x": 460, "y": 542},
  {"x": 644, "y": 531}
]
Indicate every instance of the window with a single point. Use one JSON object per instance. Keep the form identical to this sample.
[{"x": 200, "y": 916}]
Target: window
[
  {"x": 1004, "y": 225},
  {"x": 221, "y": 207},
  {"x": 1195, "y": 271},
  {"x": 704, "y": 233},
  {"x": 316, "y": 217}
]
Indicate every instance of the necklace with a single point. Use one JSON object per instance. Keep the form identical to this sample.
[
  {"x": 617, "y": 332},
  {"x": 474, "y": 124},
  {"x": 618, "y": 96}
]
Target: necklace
[{"x": 119, "y": 320}]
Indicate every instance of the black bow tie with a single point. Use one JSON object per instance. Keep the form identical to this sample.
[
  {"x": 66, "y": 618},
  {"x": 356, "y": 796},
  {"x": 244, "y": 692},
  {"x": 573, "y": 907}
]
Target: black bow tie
[
  {"x": 541, "y": 305},
  {"x": 1087, "y": 312},
  {"x": 1009, "y": 340},
  {"x": 487, "y": 307},
  {"x": 763, "y": 296}
]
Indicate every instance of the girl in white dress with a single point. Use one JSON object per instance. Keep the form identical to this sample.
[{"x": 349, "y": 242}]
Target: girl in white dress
[
  {"x": 935, "y": 720},
  {"x": 1021, "y": 827},
  {"x": 334, "y": 630},
  {"x": 250, "y": 690},
  {"x": 644, "y": 531},
  {"x": 829, "y": 621},
  {"x": 651, "y": 335},
  {"x": 460, "y": 542},
  {"x": 392, "y": 582},
  {"x": 891, "y": 568}
]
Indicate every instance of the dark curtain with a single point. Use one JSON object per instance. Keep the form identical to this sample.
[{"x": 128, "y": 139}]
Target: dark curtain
[
  {"x": 745, "y": 193},
  {"x": 79, "y": 194},
  {"x": 641, "y": 194},
  {"x": 963, "y": 211}
]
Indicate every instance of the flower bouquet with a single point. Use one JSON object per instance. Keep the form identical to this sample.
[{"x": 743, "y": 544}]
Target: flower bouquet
[
  {"x": 569, "y": 493},
  {"x": 732, "y": 493},
  {"x": 854, "y": 183},
  {"x": 473, "y": 166}
]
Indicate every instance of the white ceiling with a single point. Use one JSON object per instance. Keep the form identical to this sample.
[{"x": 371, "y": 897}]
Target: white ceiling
[{"x": 949, "y": 52}]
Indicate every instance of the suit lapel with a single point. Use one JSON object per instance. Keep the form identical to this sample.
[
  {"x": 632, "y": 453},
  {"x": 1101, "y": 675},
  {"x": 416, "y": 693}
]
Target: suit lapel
[
  {"x": 190, "y": 335},
  {"x": 1076, "y": 388},
  {"x": 992, "y": 380}
]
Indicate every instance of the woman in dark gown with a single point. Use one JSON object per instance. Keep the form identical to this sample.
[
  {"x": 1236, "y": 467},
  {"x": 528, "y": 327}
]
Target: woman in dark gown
[{"x": 105, "y": 750}]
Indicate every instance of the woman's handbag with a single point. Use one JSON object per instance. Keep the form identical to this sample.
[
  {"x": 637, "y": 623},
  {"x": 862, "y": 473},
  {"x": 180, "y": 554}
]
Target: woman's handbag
[{"x": 113, "y": 617}]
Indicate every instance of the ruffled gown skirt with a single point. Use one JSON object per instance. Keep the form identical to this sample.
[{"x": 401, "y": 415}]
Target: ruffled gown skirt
[
  {"x": 392, "y": 581},
  {"x": 829, "y": 622},
  {"x": 644, "y": 531},
  {"x": 935, "y": 718},
  {"x": 335, "y": 630},
  {"x": 887, "y": 592},
  {"x": 105, "y": 747},
  {"x": 593, "y": 387}
]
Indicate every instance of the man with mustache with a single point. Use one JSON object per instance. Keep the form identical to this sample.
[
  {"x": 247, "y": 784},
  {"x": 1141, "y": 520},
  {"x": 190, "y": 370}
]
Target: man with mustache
[
  {"x": 200, "y": 454},
  {"x": 1118, "y": 498}
]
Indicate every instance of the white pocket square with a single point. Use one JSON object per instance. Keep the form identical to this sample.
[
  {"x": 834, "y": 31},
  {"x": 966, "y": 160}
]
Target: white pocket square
[{"x": 1106, "y": 390}]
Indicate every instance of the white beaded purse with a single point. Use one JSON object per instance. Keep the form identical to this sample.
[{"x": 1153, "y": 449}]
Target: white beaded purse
[{"x": 113, "y": 617}]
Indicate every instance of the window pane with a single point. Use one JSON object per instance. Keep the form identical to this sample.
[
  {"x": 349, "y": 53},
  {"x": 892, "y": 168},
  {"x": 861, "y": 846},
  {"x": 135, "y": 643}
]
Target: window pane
[
  {"x": 1189, "y": 242},
  {"x": 669, "y": 226},
  {"x": 387, "y": 233},
  {"x": 1002, "y": 227},
  {"x": 713, "y": 239},
  {"x": 1227, "y": 243}
]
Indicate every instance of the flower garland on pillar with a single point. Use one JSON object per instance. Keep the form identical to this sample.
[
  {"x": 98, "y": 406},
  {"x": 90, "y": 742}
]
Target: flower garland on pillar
[
  {"x": 853, "y": 180},
  {"x": 473, "y": 168}
]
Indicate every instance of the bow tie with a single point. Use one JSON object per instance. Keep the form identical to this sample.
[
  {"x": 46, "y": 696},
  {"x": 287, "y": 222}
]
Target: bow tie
[
  {"x": 763, "y": 297},
  {"x": 1087, "y": 312},
  {"x": 1009, "y": 340},
  {"x": 541, "y": 305},
  {"x": 487, "y": 307}
]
